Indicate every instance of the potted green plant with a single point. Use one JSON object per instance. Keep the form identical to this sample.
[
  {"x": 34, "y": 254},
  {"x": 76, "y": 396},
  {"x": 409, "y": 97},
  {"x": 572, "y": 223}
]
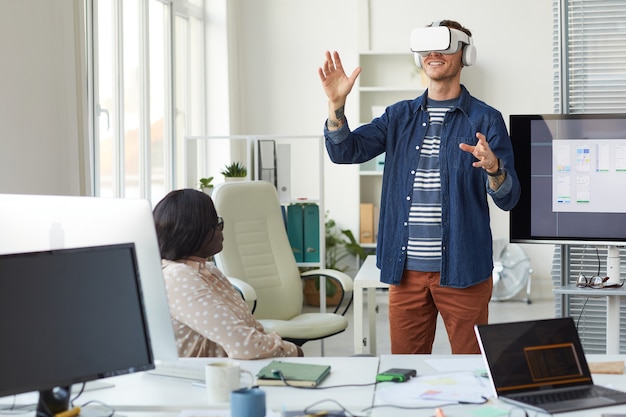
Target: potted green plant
[
  {"x": 206, "y": 185},
  {"x": 234, "y": 170},
  {"x": 340, "y": 243}
]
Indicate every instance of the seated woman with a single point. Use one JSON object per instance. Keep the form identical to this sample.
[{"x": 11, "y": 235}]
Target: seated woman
[{"x": 209, "y": 316}]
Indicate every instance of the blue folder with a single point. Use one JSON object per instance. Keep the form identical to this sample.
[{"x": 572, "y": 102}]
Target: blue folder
[
  {"x": 311, "y": 233},
  {"x": 295, "y": 230}
]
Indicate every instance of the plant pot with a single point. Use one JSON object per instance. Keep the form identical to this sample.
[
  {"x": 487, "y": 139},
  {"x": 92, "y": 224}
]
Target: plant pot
[
  {"x": 207, "y": 190},
  {"x": 312, "y": 294},
  {"x": 230, "y": 179}
]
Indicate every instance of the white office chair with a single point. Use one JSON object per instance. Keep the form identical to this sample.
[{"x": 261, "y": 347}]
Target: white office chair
[
  {"x": 257, "y": 251},
  {"x": 247, "y": 292}
]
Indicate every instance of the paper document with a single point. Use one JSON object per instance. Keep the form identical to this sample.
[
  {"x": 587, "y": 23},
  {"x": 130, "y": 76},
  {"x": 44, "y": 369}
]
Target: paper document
[
  {"x": 433, "y": 390},
  {"x": 471, "y": 364}
]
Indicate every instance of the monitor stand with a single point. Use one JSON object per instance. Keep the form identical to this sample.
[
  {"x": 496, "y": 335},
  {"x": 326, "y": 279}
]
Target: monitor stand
[
  {"x": 613, "y": 265},
  {"x": 613, "y": 319},
  {"x": 53, "y": 401}
]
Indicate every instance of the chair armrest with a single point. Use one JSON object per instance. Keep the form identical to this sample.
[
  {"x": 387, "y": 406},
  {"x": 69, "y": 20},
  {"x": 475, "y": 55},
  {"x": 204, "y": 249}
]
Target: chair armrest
[
  {"x": 246, "y": 290},
  {"x": 343, "y": 279}
]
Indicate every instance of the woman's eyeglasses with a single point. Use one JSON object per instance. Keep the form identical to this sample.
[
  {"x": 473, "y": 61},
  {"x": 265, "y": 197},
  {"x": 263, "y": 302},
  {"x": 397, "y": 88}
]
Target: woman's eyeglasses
[
  {"x": 593, "y": 282},
  {"x": 220, "y": 223}
]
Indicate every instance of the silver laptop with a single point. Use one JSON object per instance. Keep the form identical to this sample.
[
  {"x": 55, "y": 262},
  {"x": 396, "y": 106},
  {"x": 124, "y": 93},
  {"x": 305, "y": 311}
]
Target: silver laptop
[{"x": 541, "y": 364}]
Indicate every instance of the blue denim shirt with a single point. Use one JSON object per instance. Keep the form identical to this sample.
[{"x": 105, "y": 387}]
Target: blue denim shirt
[{"x": 466, "y": 241}]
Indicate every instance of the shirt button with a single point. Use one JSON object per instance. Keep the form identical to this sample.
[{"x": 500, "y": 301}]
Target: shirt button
[
  {"x": 417, "y": 147},
  {"x": 423, "y": 123},
  {"x": 406, "y": 223},
  {"x": 413, "y": 171},
  {"x": 403, "y": 248},
  {"x": 408, "y": 198}
]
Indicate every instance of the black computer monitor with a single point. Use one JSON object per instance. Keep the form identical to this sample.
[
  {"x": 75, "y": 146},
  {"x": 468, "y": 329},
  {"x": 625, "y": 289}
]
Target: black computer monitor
[
  {"x": 572, "y": 172},
  {"x": 70, "y": 316}
]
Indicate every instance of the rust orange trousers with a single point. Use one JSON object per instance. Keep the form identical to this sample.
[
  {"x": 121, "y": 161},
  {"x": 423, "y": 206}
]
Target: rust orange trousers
[{"x": 415, "y": 303}]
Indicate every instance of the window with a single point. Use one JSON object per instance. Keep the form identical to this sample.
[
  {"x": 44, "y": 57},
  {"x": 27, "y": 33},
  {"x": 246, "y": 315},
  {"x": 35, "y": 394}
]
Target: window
[
  {"x": 148, "y": 64},
  {"x": 594, "y": 55}
]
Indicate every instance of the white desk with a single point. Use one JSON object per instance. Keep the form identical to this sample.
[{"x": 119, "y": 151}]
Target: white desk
[
  {"x": 143, "y": 395},
  {"x": 427, "y": 365},
  {"x": 368, "y": 278},
  {"x": 613, "y": 297},
  {"x": 138, "y": 391},
  {"x": 145, "y": 392}
]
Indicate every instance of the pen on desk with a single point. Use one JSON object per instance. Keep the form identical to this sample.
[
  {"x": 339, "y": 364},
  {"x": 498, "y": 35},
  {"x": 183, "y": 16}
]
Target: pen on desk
[{"x": 439, "y": 412}]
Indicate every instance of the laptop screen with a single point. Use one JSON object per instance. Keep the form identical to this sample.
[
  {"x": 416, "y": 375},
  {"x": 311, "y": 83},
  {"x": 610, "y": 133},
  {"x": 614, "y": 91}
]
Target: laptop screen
[{"x": 533, "y": 355}]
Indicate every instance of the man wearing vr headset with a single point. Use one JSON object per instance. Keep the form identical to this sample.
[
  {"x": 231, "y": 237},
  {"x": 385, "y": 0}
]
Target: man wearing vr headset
[{"x": 445, "y": 153}]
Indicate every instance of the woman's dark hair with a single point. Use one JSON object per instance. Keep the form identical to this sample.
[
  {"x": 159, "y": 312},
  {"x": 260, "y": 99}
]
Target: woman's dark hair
[{"x": 184, "y": 220}]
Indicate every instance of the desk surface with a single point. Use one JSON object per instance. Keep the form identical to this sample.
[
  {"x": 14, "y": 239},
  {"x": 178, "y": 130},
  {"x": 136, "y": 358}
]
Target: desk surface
[
  {"x": 140, "y": 392},
  {"x": 159, "y": 391},
  {"x": 439, "y": 365},
  {"x": 368, "y": 275},
  {"x": 143, "y": 394}
]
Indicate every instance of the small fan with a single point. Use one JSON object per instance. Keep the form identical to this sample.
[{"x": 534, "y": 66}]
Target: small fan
[{"x": 511, "y": 272}]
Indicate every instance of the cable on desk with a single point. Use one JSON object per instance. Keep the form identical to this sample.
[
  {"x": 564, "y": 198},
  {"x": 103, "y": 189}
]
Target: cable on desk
[
  {"x": 15, "y": 409},
  {"x": 343, "y": 413},
  {"x": 286, "y": 382},
  {"x": 108, "y": 411},
  {"x": 408, "y": 407}
]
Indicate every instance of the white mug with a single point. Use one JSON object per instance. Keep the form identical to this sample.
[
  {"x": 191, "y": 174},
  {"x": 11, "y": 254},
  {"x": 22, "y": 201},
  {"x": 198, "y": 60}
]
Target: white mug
[{"x": 223, "y": 377}]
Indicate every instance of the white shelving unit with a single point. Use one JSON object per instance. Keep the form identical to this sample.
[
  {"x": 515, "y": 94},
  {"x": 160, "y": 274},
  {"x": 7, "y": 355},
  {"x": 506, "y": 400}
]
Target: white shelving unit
[{"x": 386, "y": 77}]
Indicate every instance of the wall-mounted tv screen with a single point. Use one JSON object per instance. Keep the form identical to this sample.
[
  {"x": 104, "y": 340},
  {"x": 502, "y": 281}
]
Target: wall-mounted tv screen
[{"x": 572, "y": 170}]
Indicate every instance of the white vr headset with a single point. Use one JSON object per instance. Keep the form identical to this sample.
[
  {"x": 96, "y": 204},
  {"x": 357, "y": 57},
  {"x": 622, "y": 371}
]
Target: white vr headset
[{"x": 441, "y": 39}]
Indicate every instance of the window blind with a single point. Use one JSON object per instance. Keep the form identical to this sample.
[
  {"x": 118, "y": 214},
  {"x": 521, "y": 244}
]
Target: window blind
[{"x": 595, "y": 53}]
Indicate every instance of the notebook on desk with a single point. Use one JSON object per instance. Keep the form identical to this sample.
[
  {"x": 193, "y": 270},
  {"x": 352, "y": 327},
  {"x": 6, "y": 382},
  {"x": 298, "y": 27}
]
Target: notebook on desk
[
  {"x": 292, "y": 373},
  {"x": 541, "y": 364}
]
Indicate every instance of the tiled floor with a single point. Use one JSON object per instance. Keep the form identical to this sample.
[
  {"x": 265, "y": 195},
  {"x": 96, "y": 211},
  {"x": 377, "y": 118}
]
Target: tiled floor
[{"x": 499, "y": 311}]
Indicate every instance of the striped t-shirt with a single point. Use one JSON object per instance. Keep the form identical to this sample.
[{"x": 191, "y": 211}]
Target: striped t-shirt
[{"x": 424, "y": 247}]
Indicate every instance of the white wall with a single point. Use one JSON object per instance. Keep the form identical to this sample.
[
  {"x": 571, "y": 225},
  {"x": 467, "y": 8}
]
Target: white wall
[
  {"x": 281, "y": 45},
  {"x": 40, "y": 139}
]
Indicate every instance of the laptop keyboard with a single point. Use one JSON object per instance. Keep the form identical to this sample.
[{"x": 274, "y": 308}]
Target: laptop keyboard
[{"x": 566, "y": 395}]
